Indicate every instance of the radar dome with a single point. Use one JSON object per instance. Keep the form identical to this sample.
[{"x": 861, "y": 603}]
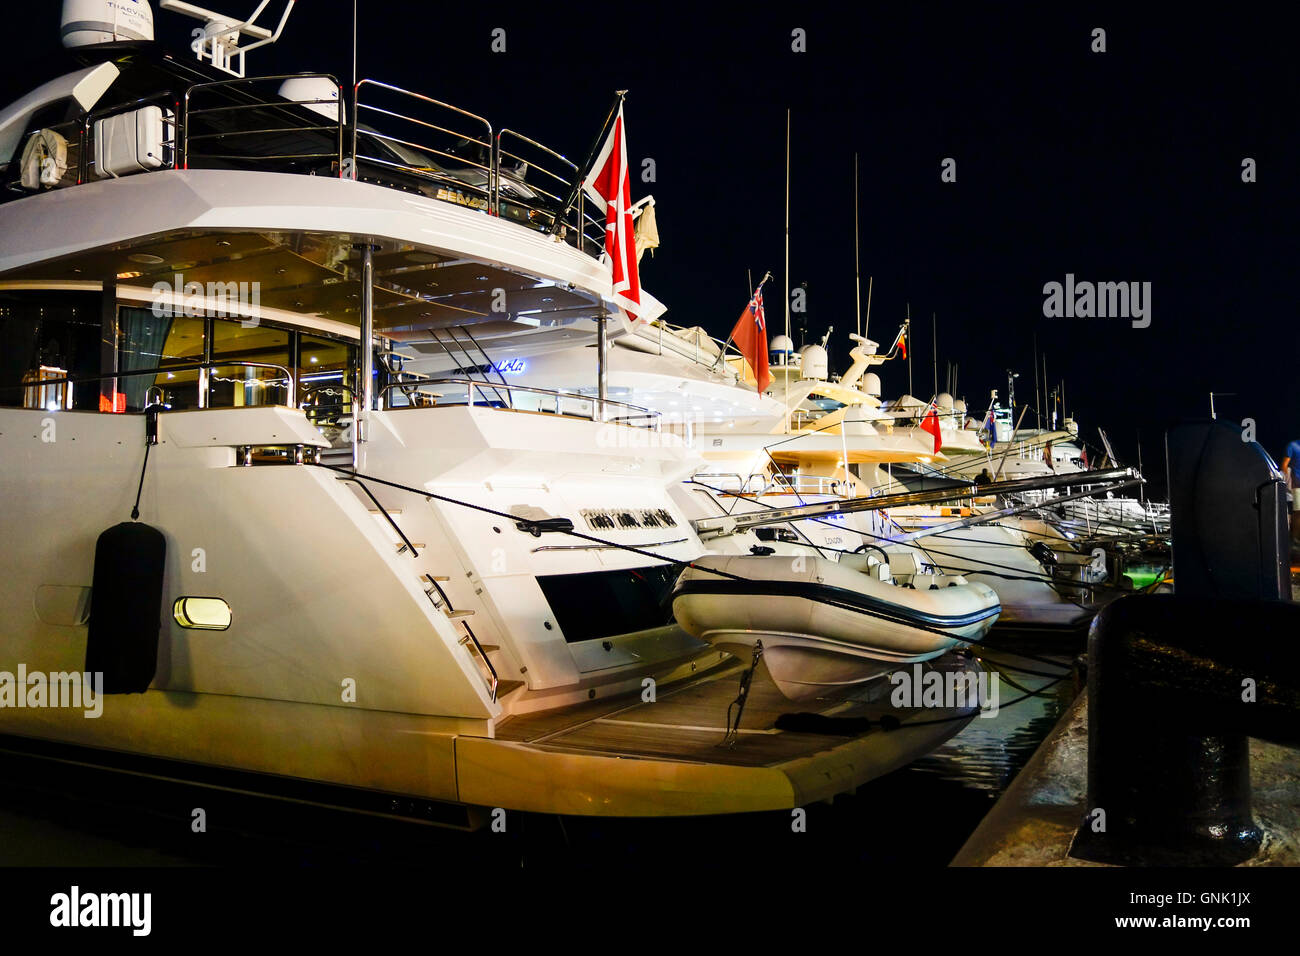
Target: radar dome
[
  {"x": 781, "y": 343},
  {"x": 92, "y": 23},
  {"x": 871, "y": 384},
  {"x": 813, "y": 362},
  {"x": 857, "y": 420},
  {"x": 944, "y": 401},
  {"x": 959, "y": 406},
  {"x": 308, "y": 90}
]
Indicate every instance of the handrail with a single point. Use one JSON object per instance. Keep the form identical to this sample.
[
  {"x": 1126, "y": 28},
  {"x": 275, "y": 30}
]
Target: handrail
[
  {"x": 406, "y": 542},
  {"x": 472, "y": 384},
  {"x": 537, "y": 204},
  {"x": 185, "y": 367},
  {"x": 190, "y": 112},
  {"x": 552, "y": 201},
  {"x": 445, "y": 601},
  {"x": 487, "y": 359},
  {"x": 451, "y": 335},
  {"x": 487, "y": 144},
  {"x": 727, "y": 350}
]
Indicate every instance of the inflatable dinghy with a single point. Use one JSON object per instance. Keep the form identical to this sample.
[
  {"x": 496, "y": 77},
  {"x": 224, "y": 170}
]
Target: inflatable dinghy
[{"x": 827, "y": 624}]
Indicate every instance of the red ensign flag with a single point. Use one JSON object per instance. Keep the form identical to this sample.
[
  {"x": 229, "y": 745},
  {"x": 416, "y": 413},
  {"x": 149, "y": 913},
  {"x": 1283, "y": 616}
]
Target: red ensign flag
[
  {"x": 609, "y": 186},
  {"x": 931, "y": 424},
  {"x": 750, "y": 336}
]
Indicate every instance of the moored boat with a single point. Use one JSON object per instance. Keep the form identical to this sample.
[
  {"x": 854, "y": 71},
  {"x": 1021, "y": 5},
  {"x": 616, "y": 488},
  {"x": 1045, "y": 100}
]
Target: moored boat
[{"x": 826, "y": 624}]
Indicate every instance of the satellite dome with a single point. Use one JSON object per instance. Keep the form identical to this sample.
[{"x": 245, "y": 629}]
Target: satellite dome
[
  {"x": 871, "y": 384},
  {"x": 306, "y": 89},
  {"x": 959, "y": 406},
  {"x": 92, "y": 23},
  {"x": 813, "y": 362},
  {"x": 857, "y": 420},
  {"x": 781, "y": 343},
  {"x": 944, "y": 401}
]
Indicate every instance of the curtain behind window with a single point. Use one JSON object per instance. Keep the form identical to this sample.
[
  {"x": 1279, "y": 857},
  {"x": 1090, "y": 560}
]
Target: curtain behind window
[{"x": 143, "y": 335}]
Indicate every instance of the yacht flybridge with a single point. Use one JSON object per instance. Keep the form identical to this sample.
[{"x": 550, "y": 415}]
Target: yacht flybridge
[{"x": 449, "y": 589}]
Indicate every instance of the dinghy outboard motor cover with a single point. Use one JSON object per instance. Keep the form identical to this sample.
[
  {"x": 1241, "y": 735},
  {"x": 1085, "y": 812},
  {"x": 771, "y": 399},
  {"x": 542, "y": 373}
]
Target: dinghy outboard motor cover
[{"x": 125, "y": 607}]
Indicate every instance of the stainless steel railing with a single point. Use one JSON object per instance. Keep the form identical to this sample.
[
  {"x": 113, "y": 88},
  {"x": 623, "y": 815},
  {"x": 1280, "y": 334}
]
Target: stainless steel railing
[
  {"x": 457, "y": 151},
  {"x": 443, "y": 603},
  {"x": 394, "y": 130},
  {"x": 634, "y": 415},
  {"x": 289, "y": 120},
  {"x": 441, "y": 130},
  {"x": 288, "y": 376}
]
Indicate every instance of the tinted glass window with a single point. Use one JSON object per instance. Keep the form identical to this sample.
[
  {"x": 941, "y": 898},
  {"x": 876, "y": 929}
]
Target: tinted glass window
[{"x": 49, "y": 335}]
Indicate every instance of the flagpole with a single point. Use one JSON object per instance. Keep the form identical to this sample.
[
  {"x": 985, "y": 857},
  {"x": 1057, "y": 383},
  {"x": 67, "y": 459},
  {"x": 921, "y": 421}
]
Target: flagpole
[
  {"x": 585, "y": 168},
  {"x": 909, "y": 351}
]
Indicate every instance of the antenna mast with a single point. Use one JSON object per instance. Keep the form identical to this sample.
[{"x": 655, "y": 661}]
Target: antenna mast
[
  {"x": 218, "y": 41},
  {"x": 787, "y": 223},
  {"x": 857, "y": 256}
]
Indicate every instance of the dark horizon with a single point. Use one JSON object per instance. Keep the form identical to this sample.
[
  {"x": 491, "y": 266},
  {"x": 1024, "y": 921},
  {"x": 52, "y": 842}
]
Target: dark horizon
[{"x": 1116, "y": 166}]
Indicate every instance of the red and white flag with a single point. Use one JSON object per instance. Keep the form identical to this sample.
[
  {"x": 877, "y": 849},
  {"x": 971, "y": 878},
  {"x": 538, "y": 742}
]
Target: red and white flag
[{"x": 609, "y": 186}]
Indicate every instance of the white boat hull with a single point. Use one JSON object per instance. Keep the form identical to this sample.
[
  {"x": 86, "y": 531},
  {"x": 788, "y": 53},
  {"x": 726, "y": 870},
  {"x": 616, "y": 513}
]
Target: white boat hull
[{"x": 824, "y": 625}]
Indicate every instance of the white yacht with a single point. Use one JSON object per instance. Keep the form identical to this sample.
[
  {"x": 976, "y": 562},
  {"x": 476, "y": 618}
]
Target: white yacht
[
  {"x": 814, "y": 438},
  {"x": 410, "y": 592}
]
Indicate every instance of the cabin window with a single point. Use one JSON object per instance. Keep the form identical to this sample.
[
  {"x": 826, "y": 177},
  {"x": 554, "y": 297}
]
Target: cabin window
[
  {"x": 47, "y": 335},
  {"x": 262, "y": 354},
  {"x": 149, "y": 340},
  {"x": 202, "y": 613},
  {"x": 325, "y": 377}
]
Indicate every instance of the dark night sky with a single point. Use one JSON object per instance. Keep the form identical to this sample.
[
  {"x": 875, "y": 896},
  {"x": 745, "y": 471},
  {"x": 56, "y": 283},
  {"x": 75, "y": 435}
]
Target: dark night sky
[{"x": 1117, "y": 166}]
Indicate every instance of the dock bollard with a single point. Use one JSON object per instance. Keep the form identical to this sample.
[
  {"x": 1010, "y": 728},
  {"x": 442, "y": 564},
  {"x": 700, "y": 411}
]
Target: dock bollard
[
  {"x": 1176, "y": 683},
  {"x": 1175, "y": 686}
]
